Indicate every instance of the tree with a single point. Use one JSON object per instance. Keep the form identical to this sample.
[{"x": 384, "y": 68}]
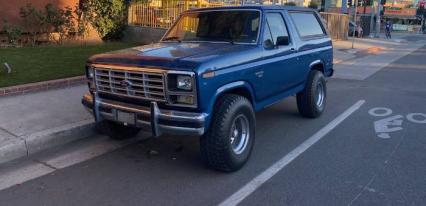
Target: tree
[
  {"x": 83, "y": 18},
  {"x": 49, "y": 20},
  {"x": 290, "y": 3},
  {"x": 60, "y": 21},
  {"x": 313, "y": 4},
  {"x": 33, "y": 22},
  {"x": 108, "y": 17},
  {"x": 13, "y": 33}
]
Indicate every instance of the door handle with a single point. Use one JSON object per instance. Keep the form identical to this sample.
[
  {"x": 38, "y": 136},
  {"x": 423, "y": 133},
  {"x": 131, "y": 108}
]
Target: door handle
[
  {"x": 292, "y": 49},
  {"x": 259, "y": 74}
]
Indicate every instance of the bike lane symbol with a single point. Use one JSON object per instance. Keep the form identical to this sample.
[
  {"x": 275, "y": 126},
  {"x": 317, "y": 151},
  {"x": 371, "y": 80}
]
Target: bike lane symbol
[
  {"x": 387, "y": 125},
  {"x": 392, "y": 123}
]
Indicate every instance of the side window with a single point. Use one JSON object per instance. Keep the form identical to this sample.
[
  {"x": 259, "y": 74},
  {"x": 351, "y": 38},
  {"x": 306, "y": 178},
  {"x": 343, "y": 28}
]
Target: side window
[
  {"x": 275, "y": 27},
  {"x": 267, "y": 33},
  {"x": 307, "y": 24}
]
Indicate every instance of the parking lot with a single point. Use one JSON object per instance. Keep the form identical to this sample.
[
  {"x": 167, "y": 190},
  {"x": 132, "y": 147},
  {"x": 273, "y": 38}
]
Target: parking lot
[{"x": 368, "y": 148}]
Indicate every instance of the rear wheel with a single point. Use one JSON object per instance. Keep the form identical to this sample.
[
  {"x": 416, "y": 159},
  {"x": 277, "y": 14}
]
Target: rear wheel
[
  {"x": 312, "y": 100},
  {"x": 227, "y": 144},
  {"x": 116, "y": 131}
]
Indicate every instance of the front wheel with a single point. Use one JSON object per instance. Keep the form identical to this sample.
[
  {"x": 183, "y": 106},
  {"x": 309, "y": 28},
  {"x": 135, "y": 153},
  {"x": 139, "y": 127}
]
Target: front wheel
[
  {"x": 312, "y": 100},
  {"x": 227, "y": 144}
]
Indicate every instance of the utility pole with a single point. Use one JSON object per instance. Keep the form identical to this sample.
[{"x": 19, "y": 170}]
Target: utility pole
[
  {"x": 378, "y": 19},
  {"x": 371, "y": 35},
  {"x": 353, "y": 33}
]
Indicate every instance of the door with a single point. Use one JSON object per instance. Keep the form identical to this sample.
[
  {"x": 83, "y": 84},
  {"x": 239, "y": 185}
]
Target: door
[{"x": 280, "y": 61}]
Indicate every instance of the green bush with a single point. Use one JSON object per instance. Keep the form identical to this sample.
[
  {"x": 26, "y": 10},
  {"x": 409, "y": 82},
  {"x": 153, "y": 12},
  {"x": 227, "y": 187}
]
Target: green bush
[
  {"x": 313, "y": 4},
  {"x": 33, "y": 22},
  {"x": 60, "y": 21},
  {"x": 49, "y": 20},
  {"x": 13, "y": 32},
  {"x": 108, "y": 17}
]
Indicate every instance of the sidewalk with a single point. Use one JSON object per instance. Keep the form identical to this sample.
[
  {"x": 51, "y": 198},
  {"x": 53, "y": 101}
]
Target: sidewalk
[
  {"x": 33, "y": 122},
  {"x": 370, "y": 55}
]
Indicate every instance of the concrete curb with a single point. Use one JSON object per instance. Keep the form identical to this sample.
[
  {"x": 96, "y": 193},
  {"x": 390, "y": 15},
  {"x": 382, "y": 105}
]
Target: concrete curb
[
  {"x": 41, "y": 86},
  {"x": 22, "y": 146}
]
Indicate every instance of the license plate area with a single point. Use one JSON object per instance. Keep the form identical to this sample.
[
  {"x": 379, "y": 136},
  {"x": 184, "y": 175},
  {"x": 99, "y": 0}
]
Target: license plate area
[{"x": 126, "y": 117}]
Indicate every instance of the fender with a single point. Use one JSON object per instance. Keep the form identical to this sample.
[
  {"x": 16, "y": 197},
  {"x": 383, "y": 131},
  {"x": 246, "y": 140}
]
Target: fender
[
  {"x": 316, "y": 62},
  {"x": 223, "y": 89},
  {"x": 327, "y": 72}
]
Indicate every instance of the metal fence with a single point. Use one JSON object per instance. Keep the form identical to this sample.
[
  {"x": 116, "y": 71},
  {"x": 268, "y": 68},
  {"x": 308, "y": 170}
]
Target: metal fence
[{"x": 162, "y": 14}]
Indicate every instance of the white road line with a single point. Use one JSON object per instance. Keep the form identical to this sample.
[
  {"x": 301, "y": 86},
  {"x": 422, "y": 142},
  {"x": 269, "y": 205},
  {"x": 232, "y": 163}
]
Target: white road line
[{"x": 255, "y": 183}]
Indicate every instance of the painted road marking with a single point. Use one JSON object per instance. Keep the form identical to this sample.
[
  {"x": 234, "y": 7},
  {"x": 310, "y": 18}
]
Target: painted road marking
[
  {"x": 258, "y": 181},
  {"x": 411, "y": 118},
  {"x": 394, "y": 123},
  {"x": 380, "y": 111},
  {"x": 387, "y": 125}
]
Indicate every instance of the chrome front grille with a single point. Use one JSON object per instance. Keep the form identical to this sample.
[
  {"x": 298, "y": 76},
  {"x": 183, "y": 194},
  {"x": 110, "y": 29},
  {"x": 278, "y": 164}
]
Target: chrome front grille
[{"x": 130, "y": 83}]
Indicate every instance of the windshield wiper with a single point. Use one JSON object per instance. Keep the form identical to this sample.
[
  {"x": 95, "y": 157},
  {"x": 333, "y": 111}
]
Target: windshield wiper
[{"x": 170, "y": 38}]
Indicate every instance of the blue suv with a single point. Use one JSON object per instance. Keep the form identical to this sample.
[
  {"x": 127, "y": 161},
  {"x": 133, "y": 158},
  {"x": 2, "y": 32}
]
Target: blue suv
[{"x": 212, "y": 70}]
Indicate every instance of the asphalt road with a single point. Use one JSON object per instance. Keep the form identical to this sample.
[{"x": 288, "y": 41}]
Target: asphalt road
[{"x": 351, "y": 165}]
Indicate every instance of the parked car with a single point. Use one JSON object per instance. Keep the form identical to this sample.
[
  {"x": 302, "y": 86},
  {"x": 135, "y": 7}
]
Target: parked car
[{"x": 212, "y": 70}]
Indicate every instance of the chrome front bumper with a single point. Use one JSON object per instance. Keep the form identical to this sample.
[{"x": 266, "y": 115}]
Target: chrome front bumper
[{"x": 151, "y": 118}]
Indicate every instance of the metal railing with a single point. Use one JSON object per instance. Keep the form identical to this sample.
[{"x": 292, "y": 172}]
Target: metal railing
[{"x": 162, "y": 13}]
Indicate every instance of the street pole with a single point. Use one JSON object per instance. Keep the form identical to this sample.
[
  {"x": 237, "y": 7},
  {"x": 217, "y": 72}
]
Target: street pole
[
  {"x": 353, "y": 33},
  {"x": 371, "y": 35},
  {"x": 378, "y": 19}
]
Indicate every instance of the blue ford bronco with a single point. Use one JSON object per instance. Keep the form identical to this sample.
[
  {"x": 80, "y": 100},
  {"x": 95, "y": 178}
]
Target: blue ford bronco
[{"x": 209, "y": 74}]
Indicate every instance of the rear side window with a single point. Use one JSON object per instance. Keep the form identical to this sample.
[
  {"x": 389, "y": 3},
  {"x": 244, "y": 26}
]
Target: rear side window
[{"x": 307, "y": 24}]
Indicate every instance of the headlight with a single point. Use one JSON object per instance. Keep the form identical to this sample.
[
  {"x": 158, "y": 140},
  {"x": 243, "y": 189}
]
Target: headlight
[
  {"x": 184, "y": 82},
  {"x": 90, "y": 72},
  {"x": 180, "y": 81},
  {"x": 181, "y": 89}
]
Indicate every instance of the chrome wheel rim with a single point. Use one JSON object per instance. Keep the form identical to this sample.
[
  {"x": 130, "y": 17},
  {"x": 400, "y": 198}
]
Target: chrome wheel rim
[
  {"x": 239, "y": 134},
  {"x": 319, "y": 98}
]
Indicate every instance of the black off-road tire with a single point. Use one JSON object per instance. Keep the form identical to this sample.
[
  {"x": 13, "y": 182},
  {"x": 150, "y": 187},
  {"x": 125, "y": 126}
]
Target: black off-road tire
[
  {"x": 115, "y": 130},
  {"x": 307, "y": 99},
  {"x": 216, "y": 148}
]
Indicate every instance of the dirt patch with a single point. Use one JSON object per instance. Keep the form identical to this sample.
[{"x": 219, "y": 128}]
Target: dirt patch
[{"x": 374, "y": 50}]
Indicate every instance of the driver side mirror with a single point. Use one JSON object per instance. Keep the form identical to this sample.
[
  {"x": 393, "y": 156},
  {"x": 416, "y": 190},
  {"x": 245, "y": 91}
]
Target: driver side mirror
[
  {"x": 268, "y": 44},
  {"x": 282, "y": 40}
]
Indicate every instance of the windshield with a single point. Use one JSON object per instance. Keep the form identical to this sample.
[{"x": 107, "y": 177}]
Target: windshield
[{"x": 238, "y": 26}]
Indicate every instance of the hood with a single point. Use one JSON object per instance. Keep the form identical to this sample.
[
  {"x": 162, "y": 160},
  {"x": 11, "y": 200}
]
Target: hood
[{"x": 185, "y": 56}]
